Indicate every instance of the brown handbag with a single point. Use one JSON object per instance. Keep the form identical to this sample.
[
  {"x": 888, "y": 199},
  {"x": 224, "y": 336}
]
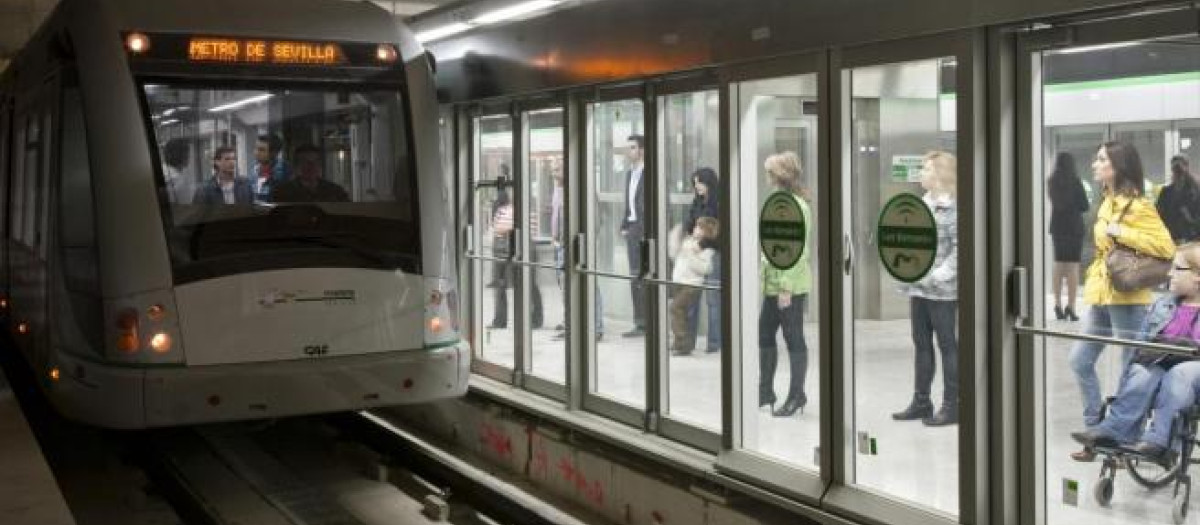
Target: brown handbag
[{"x": 1130, "y": 270}]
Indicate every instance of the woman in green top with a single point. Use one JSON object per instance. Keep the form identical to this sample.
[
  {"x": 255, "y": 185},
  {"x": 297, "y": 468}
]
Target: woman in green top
[{"x": 785, "y": 292}]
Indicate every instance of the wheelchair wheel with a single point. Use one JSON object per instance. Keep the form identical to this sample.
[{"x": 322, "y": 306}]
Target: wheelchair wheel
[
  {"x": 1103, "y": 491},
  {"x": 1179, "y": 507},
  {"x": 1150, "y": 474}
]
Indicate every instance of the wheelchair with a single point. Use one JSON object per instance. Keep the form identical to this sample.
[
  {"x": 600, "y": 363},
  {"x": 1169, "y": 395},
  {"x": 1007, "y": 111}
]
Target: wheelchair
[{"x": 1148, "y": 472}]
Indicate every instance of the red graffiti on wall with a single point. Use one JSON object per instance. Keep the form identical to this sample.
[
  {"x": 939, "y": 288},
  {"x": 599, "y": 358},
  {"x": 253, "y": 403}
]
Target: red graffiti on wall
[
  {"x": 496, "y": 440},
  {"x": 592, "y": 491}
]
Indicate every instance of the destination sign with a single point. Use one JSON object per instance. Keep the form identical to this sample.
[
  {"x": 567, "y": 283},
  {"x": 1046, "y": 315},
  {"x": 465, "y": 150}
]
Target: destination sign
[{"x": 259, "y": 51}]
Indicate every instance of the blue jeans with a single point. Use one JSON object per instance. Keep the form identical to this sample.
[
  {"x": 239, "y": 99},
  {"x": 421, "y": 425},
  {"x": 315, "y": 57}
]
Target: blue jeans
[
  {"x": 1115, "y": 320},
  {"x": 1134, "y": 397},
  {"x": 1177, "y": 392},
  {"x": 712, "y": 298}
]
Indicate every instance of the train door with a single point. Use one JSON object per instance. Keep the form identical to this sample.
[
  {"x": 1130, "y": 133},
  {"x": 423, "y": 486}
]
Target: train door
[
  {"x": 30, "y": 229},
  {"x": 1134, "y": 75},
  {"x": 7, "y": 138},
  {"x": 909, "y": 298}
]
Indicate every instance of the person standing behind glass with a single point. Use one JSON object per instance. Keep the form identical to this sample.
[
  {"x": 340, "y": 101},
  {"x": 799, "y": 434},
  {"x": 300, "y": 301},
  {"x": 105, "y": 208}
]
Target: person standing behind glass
[
  {"x": 1125, "y": 217},
  {"x": 1179, "y": 203},
  {"x": 706, "y": 203},
  {"x": 785, "y": 293},
  {"x": 503, "y": 243},
  {"x": 933, "y": 300},
  {"x": 633, "y": 229},
  {"x": 1068, "y": 202}
]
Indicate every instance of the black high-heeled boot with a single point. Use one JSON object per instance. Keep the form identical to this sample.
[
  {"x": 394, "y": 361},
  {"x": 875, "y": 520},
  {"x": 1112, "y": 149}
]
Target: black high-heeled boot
[
  {"x": 1058, "y": 313},
  {"x": 1070, "y": 314},
  {"x": 766, "y": 401},
  {"x": 792, "y": 405}
]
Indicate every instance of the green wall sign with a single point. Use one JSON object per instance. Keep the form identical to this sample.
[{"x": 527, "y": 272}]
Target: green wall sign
[
  {"x": 781, "y": 230},
  {"x": 907, "y": 238}
]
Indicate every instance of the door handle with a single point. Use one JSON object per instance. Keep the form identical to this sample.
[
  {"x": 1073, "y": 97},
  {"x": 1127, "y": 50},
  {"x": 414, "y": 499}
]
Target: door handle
[
  {"x": 848, "y": 251},
  {"x": 647, "y": 249},
  {"x": 1018, "y": 283},
  {"x": 577, "y": 251}
]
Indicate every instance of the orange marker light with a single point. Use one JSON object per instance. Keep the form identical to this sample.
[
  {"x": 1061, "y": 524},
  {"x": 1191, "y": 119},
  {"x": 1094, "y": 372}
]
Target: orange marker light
[
  {"x": 3, "y": 304},
  {"x": 22, "y": 327},
  {"x": 137, "y": 43},
  {"x": 160, "y": 343},
  {"x": 127, "y": 342},
  {"x": 435, "y": 324},
  {"x": 55, "y": 374},
  {"x": 386, "y": 53}
]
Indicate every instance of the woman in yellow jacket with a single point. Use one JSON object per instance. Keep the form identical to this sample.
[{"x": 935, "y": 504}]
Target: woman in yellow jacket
[{"x": 1118, "y": 169}]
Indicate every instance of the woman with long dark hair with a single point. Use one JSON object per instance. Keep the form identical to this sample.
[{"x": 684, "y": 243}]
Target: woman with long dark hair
[
  {"x": 1179, "y": 203},
  {"x": 1124, "y": 217},
  {"x": 706, "y": 203},
  {"x": 1068, "y": 202}
]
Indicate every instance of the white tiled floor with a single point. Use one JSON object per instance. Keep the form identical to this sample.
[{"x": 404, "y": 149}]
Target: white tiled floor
[{"x": 913, "y": 462}]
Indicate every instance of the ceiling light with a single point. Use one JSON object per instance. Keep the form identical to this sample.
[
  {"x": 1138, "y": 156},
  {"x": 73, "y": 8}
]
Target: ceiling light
[
  {"x": 1100, "y": 47},
  {"x": 240, "y": 103},
  {"x": 444, "y": 31},
  {"x": 513, "y": 11}
]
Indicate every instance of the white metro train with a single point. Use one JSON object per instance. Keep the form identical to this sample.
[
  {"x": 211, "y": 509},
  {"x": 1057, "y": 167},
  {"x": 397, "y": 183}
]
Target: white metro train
[{"x": 226, "y": 210}]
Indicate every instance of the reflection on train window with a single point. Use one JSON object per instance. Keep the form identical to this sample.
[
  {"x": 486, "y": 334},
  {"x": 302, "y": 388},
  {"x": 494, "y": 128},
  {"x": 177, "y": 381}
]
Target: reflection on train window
[
  {"x": 1119, "y": 121},
  {"x": 325, "y": 174}
]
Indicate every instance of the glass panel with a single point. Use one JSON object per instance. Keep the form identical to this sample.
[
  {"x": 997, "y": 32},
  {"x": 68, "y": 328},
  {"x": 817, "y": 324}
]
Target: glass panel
[
  {"x": 903, "y": 142},
  {"x": 283, "y": 178},
  {"x": 1141, "y": 93},
  {"x": 1188, "y": 143},
  {"x": 615, "y": 230},
  {"x": 495, "y": 220},
  {"x": 547, "y": 239},
  {"x": 689, "y": 143},
  {"x": 777, "y": 131}
]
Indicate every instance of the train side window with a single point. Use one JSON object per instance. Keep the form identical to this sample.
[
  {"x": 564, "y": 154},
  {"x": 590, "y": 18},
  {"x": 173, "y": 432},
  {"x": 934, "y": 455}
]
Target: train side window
[
  {"x": 18, "y": 172},
  {"x": 41, "y": 225},
  {"x": 33, "y": 134},
  {"x": 5, "y": 153},
  {"x": 77, "y": 234}
]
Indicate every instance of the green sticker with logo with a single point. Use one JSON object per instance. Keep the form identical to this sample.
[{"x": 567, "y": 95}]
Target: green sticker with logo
[
  {"x": 907, "y": 238},
  {"x": 781, "y": 230}
]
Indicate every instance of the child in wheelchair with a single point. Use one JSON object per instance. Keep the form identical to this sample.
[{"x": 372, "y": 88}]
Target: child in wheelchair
[{"x": 1174, "y": 378}]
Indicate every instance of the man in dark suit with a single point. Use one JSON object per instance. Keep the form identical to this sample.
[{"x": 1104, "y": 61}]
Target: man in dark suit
[
  {"x": 225, "y": 187},
  {"x": 633, "y": 229}
]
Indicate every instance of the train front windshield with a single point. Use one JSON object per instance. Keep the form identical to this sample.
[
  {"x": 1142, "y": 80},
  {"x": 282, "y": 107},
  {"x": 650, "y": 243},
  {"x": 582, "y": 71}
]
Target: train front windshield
[{"x": 261, "y": 179}]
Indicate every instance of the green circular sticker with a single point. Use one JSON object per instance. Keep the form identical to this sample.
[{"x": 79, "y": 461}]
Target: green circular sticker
[
  {"x": 781, "y": 230},
  {"x": 907, "y": 237}
]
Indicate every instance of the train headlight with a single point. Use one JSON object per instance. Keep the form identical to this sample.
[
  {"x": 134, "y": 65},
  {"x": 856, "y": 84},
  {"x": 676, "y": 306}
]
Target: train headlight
[
  {"x": 386, "y": 53},
  {"x": 156, "y": 312},
  {"x": 160, "y": 343},
  {"x": 137, "y": 43}
]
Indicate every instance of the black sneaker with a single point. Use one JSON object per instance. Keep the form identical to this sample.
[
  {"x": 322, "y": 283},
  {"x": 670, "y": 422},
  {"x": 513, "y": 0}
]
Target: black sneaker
[
  {"x": 915, "y": 410},
  {"x": 948, "y": 415}
]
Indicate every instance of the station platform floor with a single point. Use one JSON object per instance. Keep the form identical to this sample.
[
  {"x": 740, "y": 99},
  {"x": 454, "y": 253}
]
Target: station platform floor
[{"x": 29, "y": 493}]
